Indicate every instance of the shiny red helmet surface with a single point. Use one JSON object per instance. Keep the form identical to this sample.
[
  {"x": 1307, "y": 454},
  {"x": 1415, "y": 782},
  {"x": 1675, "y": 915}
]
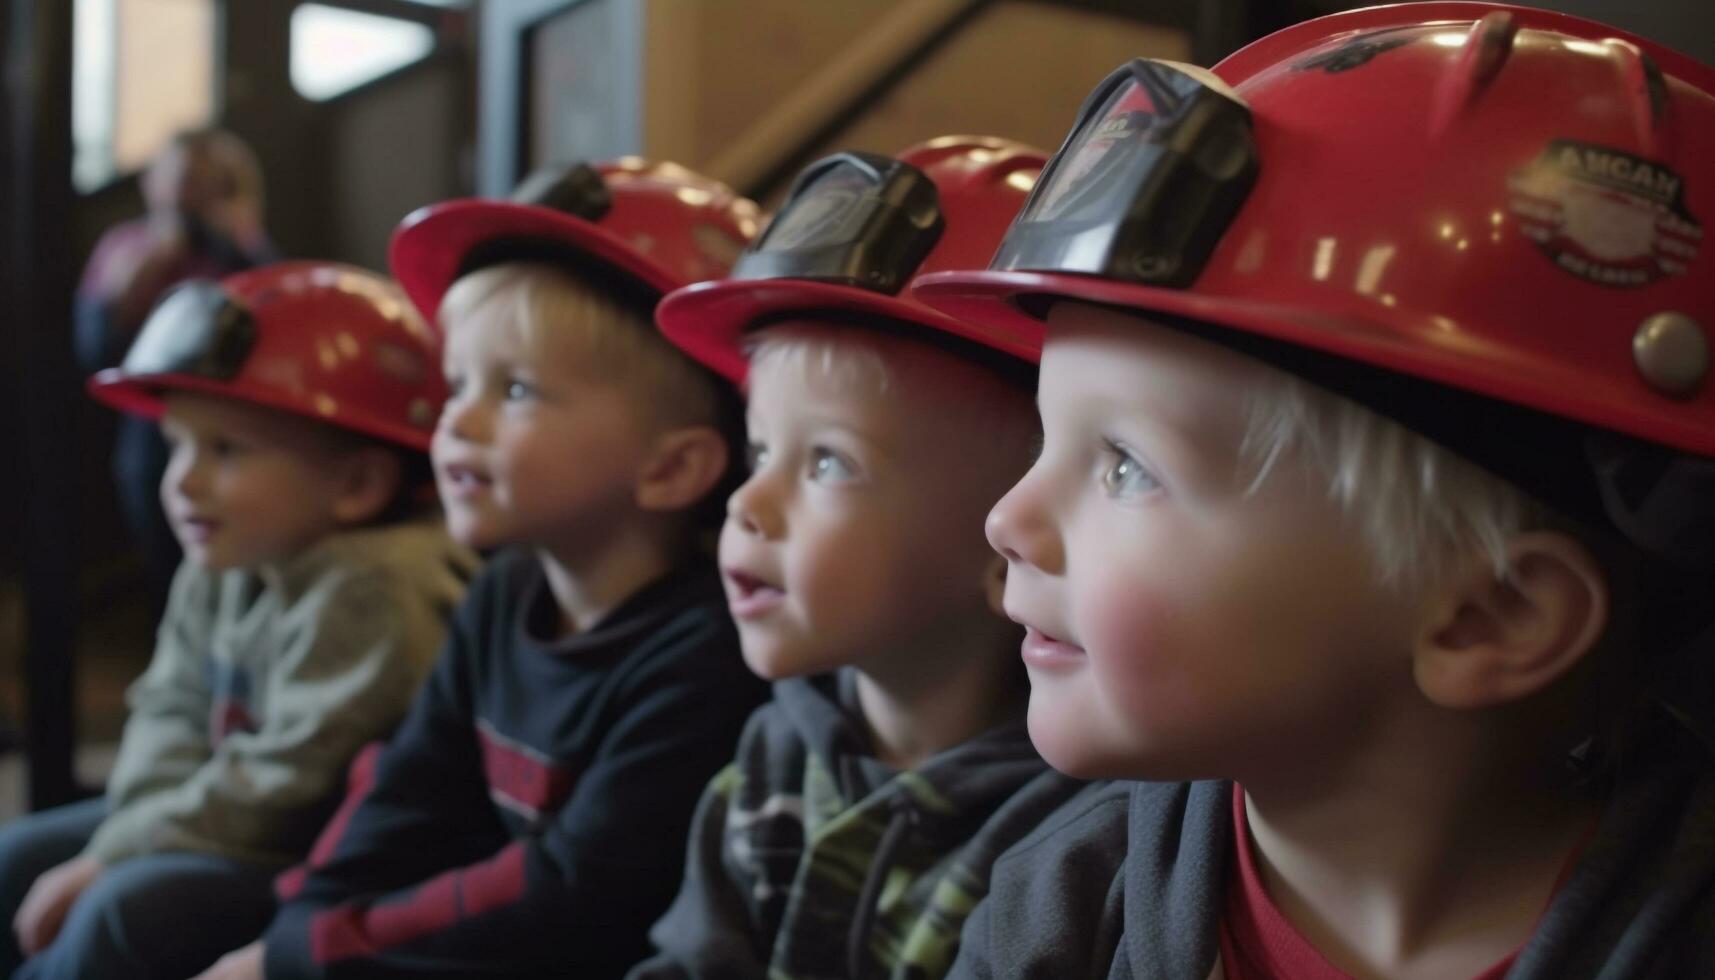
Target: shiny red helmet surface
[{"x": 333, "y": 342}]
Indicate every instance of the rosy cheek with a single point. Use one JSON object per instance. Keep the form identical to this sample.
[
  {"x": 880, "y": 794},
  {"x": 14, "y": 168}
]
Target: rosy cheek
[{"x": 1131, "y": 632}]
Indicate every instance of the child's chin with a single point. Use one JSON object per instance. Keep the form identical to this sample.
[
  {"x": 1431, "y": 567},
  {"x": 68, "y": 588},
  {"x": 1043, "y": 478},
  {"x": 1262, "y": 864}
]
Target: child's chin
[
  {"x": 203, "y": 558},
  {"x": 1067, "y": 750},
  {"x": 474, "y": 536},
  {"x": 771, "y": 663}
]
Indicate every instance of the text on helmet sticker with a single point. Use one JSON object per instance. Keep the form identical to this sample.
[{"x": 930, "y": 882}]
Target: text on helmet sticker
[{"x": 1605, "y": 215}]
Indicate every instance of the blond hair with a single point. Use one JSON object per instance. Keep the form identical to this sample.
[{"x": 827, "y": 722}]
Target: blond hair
[
  {"x": 1417, "y": 505},
  {"x": 995, "y": 417},
  {"x": 613, "y": 332}
]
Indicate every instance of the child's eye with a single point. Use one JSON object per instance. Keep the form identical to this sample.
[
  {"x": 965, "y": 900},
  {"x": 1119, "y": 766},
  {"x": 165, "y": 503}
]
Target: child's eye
[
  {"x": 1124, "y": 476},
  {"x": 755, "y": 456},
  {"x": 517, "y": 391},
  {"x": 827, "y": 466},
  {"x": 224, "y": 448}
]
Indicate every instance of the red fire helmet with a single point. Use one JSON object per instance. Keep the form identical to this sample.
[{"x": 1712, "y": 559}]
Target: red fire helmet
[
  {"x": 1501, "y": 200},
  {"x": 332, "y": 342},
  {"x": 857, "y": 229},
  {"x": 660, "y": 225}
]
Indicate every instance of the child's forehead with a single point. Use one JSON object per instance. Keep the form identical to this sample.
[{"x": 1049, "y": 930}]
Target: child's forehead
[
  {"x": 799, "y": 385},
  {"x": 1114, "y": 344},
  {"x": 1112, "y": 362},
  {"x": 502, "y": 330},
  {"x": 884, "y": 361}
]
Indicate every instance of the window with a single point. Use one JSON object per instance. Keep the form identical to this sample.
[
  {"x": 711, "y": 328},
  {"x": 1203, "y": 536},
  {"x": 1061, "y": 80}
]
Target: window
[
  {"x": 142, "y": 70},
  {"x": 584, "y": 83},
  {"x": 335, "y": 50}
]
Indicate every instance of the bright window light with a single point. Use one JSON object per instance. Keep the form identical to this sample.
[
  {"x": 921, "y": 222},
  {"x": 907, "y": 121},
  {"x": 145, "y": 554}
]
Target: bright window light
[
  {"x": 142, "y": 70},
  {"x": 335, "y": 50}
]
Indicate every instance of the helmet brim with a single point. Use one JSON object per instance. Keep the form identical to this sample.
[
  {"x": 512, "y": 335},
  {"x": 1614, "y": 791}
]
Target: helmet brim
[
  {"x": 709, "y": 320},
  {"x": 1416, "y": 345},
  {"x": 430, "y": 248},
  {"x": 142, "y": 396}
]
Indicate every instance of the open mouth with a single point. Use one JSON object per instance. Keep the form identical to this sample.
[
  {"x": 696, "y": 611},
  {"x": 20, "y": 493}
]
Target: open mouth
[
  {"x": 749, "y": 597},
  {"x": 464, "y": 481},
  {"x": 198, "y": 530}
]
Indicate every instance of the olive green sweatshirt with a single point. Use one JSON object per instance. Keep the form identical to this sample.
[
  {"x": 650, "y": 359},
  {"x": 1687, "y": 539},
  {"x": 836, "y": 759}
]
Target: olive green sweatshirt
[{"x": 266, "y": 682}]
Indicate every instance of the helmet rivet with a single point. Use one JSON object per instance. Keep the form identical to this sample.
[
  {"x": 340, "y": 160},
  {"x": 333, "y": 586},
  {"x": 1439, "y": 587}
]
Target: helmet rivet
[{"x": 1672, "y": 353}]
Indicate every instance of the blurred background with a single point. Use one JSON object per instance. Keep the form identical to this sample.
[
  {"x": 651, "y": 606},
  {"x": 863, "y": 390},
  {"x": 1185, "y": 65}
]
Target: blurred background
[{"x": 354, "y": 113}]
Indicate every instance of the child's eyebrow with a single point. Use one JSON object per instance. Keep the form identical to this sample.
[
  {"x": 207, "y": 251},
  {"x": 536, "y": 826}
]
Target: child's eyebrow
[
  {"x": 825, "y": 422},
  {"x": 811, "y": 424},
  {"x": 1184, "y": 433},
  {"x": 1186, "y": 419}
]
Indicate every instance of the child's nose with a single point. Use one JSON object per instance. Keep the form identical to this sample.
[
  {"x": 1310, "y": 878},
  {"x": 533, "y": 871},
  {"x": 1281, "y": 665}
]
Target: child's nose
[
  {"x": 184, "y": 474},
  {"x": 753, "y": 508},
  {"x": 464, "y": 418},
  {"x": 1019, "y": 527}
]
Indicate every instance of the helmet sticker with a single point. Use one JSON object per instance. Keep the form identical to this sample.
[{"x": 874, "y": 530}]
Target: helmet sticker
[
  {"x": 284, "y": 373},
  {"x": 1357, "y": 52},
  {"x": 400, "y": 363},
  {"x": 1605, "y": 215}
]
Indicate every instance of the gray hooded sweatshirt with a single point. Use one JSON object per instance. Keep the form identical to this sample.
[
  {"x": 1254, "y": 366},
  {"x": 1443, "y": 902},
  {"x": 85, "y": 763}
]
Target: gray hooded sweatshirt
[{"x": 1128, "y": 881}]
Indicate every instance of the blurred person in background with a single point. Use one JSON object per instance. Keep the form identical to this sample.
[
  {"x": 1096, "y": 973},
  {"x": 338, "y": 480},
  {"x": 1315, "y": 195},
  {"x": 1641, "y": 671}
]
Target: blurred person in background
[{"x": 204, "y": 195}]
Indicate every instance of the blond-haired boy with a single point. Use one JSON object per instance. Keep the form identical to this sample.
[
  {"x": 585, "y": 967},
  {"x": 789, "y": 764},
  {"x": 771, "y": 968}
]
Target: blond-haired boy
[
  {"x": 1372, "y": 527},
  {"x": 857, "y": 825},
  {"x": 529, "y": 817}
]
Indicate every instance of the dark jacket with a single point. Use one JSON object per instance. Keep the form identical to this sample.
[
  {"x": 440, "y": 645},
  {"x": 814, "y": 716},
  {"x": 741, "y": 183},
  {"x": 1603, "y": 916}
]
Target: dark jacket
[
  {"x": 529, "y": 819},
  {"x": 1128, "y": 882},
  {"x": 810, "y": 858}
]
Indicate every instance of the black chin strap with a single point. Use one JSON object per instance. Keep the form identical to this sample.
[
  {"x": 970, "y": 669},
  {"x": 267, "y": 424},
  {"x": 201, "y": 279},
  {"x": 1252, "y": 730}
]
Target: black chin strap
[{"x": 1664, "y": 502}]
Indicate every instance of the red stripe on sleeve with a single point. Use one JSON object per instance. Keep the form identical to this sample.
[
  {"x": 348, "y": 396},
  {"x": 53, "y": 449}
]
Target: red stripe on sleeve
[
  {"x": 348, "y": 931},
  {"x": 495, "y": 882},
  {"x": 355, "y": 930},
  {"x": 360, "y": 781}
]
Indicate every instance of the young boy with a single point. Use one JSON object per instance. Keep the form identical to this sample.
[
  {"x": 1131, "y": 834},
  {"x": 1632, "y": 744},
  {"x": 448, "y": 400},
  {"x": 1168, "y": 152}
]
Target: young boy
[
  {"x": 857, "y": 825},
  {"x": 529, "y": 818},
  {"x": 1374, "y": 519},
  {"x": 308, "y": 610}
]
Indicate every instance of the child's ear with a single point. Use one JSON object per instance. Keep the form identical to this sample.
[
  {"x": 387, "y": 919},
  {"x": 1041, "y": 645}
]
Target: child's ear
[
  {"x": 370, "y": 479},
  {"x": 994, "y": 584},
  {"x": 1490, "y": 641},
  {"x": 682, "y": 467}
]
